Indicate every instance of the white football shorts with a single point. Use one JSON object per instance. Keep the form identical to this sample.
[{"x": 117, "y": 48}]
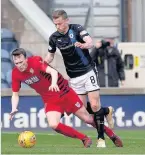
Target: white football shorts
[{"x": 85, "y": 83}]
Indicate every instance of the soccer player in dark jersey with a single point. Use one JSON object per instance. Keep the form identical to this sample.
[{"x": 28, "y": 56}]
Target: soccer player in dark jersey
[{"x": 73, "y": 42}]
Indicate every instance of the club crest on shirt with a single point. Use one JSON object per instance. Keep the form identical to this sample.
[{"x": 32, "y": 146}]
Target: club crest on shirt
[
  {"x": 71, "y": 35},
  {"x": 31, "y": 71},
  {"x": 78, "y": 105}
]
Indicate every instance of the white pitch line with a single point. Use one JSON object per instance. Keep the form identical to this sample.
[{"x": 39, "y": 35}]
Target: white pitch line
[
  {"x": 37, "y": 133},
  {"x": 53, "y": 134}
]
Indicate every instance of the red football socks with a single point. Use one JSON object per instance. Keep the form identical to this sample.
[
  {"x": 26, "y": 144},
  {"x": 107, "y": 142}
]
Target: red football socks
[
  {"x": 108, "y": 132},
  {"x": 69, "y": 131}
]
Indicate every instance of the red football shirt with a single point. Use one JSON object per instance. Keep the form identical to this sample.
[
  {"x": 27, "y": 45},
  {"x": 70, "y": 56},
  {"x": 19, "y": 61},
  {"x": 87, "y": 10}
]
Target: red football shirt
[{"x": 36, "y": 77}]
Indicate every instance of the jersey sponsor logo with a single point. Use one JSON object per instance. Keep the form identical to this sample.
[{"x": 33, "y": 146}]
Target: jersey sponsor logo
[
  {"x": 59, "y": 40},
  {"x": 31, "y": 80},
  {"x": 63, "y": 48},
  {"x": 31, "y": 71},
  {"x": 78, "y": 105},
  {"x": 83, "y": 32}
]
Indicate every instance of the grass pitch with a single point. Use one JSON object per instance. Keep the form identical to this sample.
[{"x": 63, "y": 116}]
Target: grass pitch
[{"x": 47, "y": 143}]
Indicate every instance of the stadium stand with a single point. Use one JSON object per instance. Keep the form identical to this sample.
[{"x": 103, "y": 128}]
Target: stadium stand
[
  {"x": 4, "y": 83},
  {"x": 6, "y": 64},
  {"x": 8, "y": 77},
  {"x": 8, "y": 43},
  {"x": 105, "y": 20},
  {"x": 29, "y": 54}
]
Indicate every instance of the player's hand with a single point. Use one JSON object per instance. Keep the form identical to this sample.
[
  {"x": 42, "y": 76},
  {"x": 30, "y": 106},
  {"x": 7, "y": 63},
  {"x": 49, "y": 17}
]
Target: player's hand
[
  {"x": 54, "y": 88},
  {"x": 80, "y": 45},
  {"x": 13, "y": 112}
]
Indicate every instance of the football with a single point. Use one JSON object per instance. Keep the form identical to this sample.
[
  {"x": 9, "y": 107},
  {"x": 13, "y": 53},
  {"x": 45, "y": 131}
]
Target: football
[{"x": 27, "y": 139}]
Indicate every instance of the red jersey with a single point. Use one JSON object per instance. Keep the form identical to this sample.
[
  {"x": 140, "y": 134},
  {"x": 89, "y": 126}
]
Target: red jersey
[{"x": 36, "y": 77}]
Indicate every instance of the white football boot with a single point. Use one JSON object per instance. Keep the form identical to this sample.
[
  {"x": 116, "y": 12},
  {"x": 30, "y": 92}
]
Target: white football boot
[{"x": 101, "y": 143}]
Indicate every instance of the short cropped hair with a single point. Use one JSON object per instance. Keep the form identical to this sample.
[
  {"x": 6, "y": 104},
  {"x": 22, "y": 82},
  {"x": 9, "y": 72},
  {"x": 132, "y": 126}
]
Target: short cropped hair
[
  {"x": 59, "y": 13},
  {"x": 18, "y": 51}
]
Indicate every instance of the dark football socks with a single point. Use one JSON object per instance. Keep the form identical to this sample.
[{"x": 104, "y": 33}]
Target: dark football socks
[
  {"x": 106, "y": 110},
  {"x": 99, "y": 121},
  {"x": 107, "y": 130},
  {"x": 69, "y": 131}
]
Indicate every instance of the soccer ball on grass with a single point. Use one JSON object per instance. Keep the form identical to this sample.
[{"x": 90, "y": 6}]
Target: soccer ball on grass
[{"x": 27, "y": 139}]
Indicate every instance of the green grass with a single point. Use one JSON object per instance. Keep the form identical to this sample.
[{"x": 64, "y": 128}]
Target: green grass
[{"x": 134, "y": 143}]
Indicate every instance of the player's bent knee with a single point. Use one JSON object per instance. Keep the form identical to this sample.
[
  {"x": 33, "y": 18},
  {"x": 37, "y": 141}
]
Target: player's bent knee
[
  {"x": 53, "y": 119},
  {"x": 95, "y": 107},
  {"x": 95, "y": 104},
  {"x": 53, "y": 125}
]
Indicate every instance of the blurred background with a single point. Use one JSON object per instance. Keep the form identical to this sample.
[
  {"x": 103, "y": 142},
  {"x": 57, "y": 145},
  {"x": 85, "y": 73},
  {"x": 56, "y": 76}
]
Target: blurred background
[{"x": 116, "y": 24}]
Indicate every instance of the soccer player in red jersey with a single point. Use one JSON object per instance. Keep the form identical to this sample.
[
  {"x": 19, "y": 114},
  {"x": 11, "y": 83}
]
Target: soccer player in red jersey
[{"x": 57, "y": 96}]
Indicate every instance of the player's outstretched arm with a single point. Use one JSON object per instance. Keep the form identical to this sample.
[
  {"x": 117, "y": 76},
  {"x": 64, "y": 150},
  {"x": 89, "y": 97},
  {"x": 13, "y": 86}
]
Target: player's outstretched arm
[
  {"x": 49, "y": 58},
  {"x": 14, "y": 101},
  {"x": 54, "y": 76}
]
